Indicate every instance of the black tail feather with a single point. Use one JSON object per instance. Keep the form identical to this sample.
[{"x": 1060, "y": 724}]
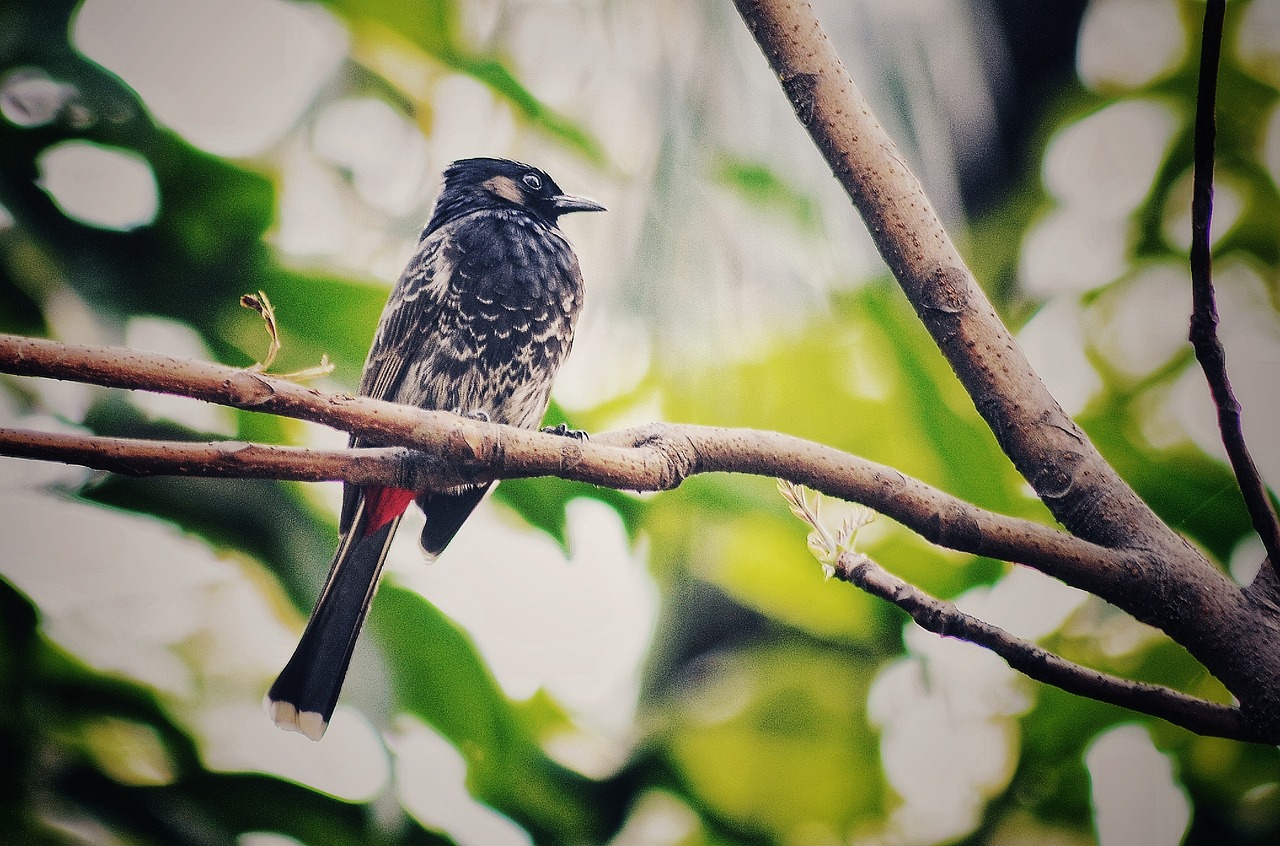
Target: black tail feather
[
  {"x": 446, "y": 512},
  {"x": 306, "y": 692}
]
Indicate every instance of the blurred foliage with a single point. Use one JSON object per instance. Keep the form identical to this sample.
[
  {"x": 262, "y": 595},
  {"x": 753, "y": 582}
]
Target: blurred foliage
[{"x": 754, "y": 724}]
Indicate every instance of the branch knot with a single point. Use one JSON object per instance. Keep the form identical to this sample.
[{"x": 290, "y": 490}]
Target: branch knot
[
  {"x": 247, "y": 389},
  {"x": 678, "y": 455}
]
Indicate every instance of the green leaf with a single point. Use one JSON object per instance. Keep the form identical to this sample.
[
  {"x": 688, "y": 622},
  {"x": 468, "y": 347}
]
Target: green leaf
[
  {"x": 775, "y": 740},
  {"x": 438, "y": 677}
]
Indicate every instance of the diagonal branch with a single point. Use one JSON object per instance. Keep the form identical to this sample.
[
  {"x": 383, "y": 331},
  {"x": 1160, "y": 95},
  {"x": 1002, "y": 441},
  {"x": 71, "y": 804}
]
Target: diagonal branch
[
  {"x": 1170, "y": 584},
  {"x": 944, "y": 618},
  {"x": 1204, "y": 310},
  {"x": 1047, "y": 447}
]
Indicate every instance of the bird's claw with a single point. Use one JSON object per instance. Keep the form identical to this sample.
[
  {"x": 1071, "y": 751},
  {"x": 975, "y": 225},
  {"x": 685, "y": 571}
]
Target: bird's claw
[
  {"x": 474, "y": 414},
  {"x": 563, "y": 430}
]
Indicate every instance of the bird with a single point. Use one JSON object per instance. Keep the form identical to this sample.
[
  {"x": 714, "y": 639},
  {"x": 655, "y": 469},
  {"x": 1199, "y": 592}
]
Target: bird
[{"x": 478, "y": 324}]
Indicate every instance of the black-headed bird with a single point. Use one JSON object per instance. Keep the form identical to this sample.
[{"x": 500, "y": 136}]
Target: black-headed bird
[{"x": 479, "y": 323}]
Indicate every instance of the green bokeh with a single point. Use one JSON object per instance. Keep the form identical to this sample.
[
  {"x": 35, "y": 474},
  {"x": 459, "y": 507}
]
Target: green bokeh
[{"x": 753, "y": 715}]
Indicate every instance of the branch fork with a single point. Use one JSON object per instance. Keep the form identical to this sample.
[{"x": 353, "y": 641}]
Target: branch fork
[
  {"x": 439, "y": 449},
  {"x": 1113, "y": 545}
]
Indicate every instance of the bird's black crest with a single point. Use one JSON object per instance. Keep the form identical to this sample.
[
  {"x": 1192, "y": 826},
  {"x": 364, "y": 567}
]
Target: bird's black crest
[{"x": 483, "y": 183}]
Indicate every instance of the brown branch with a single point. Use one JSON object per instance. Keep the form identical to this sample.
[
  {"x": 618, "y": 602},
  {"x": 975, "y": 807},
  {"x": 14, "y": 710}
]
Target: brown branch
[
  {"x": 455, "y": 449},
  {"x": 1047, "y": 447},
  {"x": 405, "y": 467},
  {"x": 1169, "y": 584},
  {"x": 944, "y": 618},
  {"x": 225, "y": 459},
  {"x": 447, "y": 449},
  {"x": 1204, "y": 310}
]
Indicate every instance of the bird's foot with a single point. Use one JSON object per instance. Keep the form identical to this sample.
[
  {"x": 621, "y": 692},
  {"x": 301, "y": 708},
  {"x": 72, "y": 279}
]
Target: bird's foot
[
  {"x": 564, "y": 431},
  {"x": 474, "y": 414}
]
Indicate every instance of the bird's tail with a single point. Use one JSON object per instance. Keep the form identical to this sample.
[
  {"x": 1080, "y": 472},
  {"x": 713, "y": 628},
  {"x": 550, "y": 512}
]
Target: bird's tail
[{"x": 303, "y": 697}]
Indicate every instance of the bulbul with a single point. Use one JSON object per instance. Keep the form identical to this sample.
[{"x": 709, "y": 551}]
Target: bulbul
[{"x": 479, "y": 323}]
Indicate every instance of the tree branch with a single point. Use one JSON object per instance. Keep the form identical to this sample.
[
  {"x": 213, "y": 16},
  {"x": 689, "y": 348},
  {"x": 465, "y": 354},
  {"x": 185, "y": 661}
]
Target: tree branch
[
  {"x": 1170, "y": 584},
  {"x": 1046, "y": 446},
  {"x": 225, "y": 459},
  {"x": 944, "y": 618},
  {"x": 454, "y": 449},
  {"x": 1204, "y": 310},
  {"x": 449, "y": 449}
]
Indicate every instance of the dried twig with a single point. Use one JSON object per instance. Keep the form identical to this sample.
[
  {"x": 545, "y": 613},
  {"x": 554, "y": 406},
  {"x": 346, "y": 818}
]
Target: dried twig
[
  {"x": 1204, "y": 310},
  {"x": 944, "y": 618},
  {"x": 838, "y": 554},
  {"x": 260, "y": 303}
]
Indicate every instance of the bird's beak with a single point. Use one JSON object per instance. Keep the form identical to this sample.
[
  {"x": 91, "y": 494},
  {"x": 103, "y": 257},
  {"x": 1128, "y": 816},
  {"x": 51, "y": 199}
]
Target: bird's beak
[{"x": 565, "y": 203}]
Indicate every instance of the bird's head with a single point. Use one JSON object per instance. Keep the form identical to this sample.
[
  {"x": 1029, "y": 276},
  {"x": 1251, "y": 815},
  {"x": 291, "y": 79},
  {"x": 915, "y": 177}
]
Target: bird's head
[{"x": 502, "y": 182}]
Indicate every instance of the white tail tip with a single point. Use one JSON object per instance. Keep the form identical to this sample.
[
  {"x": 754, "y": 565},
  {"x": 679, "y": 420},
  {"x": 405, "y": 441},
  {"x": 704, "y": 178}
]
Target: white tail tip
[{"x": 286, "y": 716}]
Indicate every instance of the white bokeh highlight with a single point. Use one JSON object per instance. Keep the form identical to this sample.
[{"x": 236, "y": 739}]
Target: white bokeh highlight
[
  {"x": 947, "y": 711},
  {"x": 106, "y": 187},
  {"x": 1258, "y": 40},
  {"x": 1099, "y": 170},
  {"x": 1139, "y": 325},
  {"x": 384, "y": 152},
  {"x": 313, "y": 218},
  {"x": 131, "y": 596},
  {"x": 1107, "y": 161},
  {"x": 231, "y": 77},
  {"x": 350, "y": 763},
  {"x": 578, "y": 628},
  {"x": 431, "y": 780},
  {"x": 1129, "y": 43},
  {"x": 1137, "y": 801},
  {"x": 109, "y": 591},
  {"x": 1271, "y": 145},
  {"x": 658, "y": 818},
  {"x": 1053, "y": 341},
  {"x": 30, "y": 97}
]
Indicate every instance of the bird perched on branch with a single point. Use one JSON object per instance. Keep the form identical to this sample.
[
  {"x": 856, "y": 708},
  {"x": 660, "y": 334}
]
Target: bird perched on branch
[{"x": 479, "y": 323}]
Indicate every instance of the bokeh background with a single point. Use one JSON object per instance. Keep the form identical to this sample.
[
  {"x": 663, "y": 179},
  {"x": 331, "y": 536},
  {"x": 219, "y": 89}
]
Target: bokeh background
[{"x": 592, "y": 666}]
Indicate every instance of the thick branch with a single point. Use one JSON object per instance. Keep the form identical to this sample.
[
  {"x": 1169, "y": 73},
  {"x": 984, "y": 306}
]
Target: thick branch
[
  {"x": 459, "y": 449},
  {"x": 405, "y": 467},
  {"x": 1204, "y": 311},
  {"x": 448, "y": 449},
  {"x": 1171, "y": 585},
  {"x": 944, "y": 618},
  {"x": 1046, "y": 446}
]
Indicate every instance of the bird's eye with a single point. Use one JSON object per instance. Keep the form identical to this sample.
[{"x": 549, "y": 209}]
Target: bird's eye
[{"x": 532, "y": 180}]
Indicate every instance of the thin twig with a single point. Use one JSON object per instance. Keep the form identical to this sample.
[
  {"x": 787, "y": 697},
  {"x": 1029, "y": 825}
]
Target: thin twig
[
  {"x": 396, "y": 466},
  {"x": 944, "y": 618},
  {"x": 1204, "y": 312},
  {"x": 261, "y": 303}
]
